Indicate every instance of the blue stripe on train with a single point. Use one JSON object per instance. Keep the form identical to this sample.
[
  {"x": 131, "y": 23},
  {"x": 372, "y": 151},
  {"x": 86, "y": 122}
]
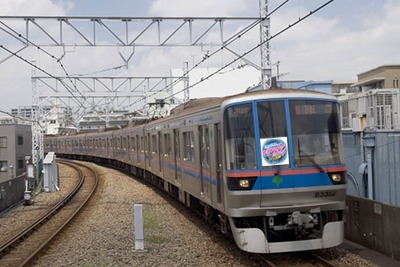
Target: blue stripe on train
[{"x": 292, "y": 181}]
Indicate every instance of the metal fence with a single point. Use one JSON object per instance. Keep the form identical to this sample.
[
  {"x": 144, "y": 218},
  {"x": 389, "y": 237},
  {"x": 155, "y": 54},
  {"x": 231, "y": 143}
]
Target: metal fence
[
  {"x": 11, "y": 192},
  {"x": 373, "y": 165}
]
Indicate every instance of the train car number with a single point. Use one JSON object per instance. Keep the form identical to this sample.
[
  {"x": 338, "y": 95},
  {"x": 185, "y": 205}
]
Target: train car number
[{"x": 325, "y": 194}]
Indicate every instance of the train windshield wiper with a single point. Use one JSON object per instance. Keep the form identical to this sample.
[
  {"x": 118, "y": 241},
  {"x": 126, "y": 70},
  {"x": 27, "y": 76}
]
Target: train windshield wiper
[{"x": 311, "y": 159}]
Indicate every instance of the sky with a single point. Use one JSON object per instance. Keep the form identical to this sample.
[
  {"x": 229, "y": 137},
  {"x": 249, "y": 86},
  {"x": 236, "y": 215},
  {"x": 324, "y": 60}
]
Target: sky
[{"x": 345, "y": 38}]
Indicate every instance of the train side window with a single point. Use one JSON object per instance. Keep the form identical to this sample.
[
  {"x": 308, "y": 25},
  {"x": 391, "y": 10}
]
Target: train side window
[
  {"x": 133, "y": 143},
  {"x": 154, "y": 144},
  {"x": 167, "y": 145},
  {"x": 188, "y": 146},
  {"x": 125, "y": 144}
]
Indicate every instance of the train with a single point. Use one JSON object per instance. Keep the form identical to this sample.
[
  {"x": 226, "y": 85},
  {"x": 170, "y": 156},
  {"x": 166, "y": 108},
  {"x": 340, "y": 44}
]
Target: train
[{"x": 267, "y": 166}]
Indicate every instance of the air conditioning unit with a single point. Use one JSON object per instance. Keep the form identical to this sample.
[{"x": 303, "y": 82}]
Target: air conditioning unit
[{"x": 3, "y": 169}]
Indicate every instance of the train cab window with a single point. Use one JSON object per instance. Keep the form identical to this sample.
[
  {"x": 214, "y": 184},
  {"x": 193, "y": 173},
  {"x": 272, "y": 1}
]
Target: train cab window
[
  {"x": 188, "y": 146},
  {"x": 239, "y": 137},
  {"x": 273, "y": 132},
  {"x": 316, "y": 132}
]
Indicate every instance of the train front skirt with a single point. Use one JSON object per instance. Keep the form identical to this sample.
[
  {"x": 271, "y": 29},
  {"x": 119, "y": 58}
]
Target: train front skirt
[{"x": 253, "y": 239}]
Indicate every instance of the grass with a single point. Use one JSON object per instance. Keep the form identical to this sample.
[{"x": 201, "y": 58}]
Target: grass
[{"x": 154, "y": 231}]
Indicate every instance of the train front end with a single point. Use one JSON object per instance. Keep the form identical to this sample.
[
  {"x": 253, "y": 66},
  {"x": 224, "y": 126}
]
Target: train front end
[{"x": 284, "y": 175}]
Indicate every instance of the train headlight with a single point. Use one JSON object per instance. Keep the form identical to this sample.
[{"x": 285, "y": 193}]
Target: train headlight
[
  {"x": 337, "y": 178},
  {"x": 244, "y": 183}
]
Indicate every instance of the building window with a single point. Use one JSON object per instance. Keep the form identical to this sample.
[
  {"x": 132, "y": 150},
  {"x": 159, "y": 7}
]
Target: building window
[
  {"x": 20, "y": 164},
  {"x": 20, "y": 140},
  {"x": 3, "y": 141},
  {"x": 3, "y": 165}
]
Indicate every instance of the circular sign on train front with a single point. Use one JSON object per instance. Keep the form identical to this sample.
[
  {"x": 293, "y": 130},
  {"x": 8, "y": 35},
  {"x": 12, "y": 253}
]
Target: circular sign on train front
[{"x": 274, "y": 151}]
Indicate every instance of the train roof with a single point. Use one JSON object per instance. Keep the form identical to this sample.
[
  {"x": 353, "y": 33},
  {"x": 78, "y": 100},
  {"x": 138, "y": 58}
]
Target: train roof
[{"x": 196, "y": 105}]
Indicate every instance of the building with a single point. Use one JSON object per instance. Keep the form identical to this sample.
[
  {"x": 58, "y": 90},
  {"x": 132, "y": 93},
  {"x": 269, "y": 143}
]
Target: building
[
  {"x": 383, "y": 77},
  {"x": 59, "y": 121},
  {"x": 371, "y": 135},
  {"x": 55, "y": 120},
  {"x": 15, "y": 150},
  {"x": 98, "y": 121},
  {"x": 373, "y": 102},
  {"x": 24, "y": 114}
]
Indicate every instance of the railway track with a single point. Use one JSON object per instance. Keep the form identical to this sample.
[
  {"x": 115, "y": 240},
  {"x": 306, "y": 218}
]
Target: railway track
[
  {"x": 293, "y": 259},
  {"x": 27, "y": 244}
]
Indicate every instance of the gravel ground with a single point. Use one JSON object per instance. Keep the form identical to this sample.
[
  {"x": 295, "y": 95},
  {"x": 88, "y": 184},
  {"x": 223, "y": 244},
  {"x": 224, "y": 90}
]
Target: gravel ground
[{"x": 103, "y": 234}]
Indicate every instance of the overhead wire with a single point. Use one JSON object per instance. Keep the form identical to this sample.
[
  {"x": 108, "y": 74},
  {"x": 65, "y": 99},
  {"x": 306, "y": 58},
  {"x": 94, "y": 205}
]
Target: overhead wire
[
  {"x": 19, "y": 36},
  {"x": 208, "y": 56},
  {"x": 238, "y": 57},
  {"x": 205, "y": 57}
]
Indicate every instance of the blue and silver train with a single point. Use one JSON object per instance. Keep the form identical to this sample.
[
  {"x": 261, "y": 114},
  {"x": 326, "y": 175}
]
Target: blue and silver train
[{"x": 266, "y": 165}]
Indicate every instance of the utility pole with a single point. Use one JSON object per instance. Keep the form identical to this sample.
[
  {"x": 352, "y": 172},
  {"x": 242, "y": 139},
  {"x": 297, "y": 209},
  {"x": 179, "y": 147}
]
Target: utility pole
[
  {"x": 37, "y": 131},
  {"x": 186, "y": 96},
  {"x": 265, "y": 52}
]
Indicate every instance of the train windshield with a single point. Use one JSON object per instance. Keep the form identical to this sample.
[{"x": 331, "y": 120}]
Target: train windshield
[
  {"x": 239, "y": 137},
  {"x": 316, "y": 132}
]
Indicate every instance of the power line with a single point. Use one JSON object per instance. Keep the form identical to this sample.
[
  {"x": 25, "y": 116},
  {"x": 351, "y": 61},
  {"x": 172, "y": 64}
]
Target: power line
[
  {"x": 42, "y": 70},
  {"x": 14, "y": 33},
  {"x": 208, "y": 56},
  {"x": 238, "y": 57}
]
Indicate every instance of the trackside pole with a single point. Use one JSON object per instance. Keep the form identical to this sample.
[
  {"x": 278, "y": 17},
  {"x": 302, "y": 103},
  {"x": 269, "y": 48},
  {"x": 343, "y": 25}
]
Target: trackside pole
[{"x": 138, "y": 223}]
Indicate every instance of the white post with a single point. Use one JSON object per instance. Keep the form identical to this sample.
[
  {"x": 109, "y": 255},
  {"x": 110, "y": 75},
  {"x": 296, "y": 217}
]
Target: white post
[{"x": 138, "y": 222}]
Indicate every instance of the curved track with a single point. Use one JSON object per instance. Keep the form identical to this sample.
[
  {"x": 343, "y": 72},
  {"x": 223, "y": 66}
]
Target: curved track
[{"x": 23, "y": 247}]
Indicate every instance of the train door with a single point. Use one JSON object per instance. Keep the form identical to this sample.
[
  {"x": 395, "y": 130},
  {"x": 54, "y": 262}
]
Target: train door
[
  {"x": 205, "y": 170},
  {"x": 160, "y": 151},
  {"x": 148, "y": 154},
  {"x": 177, "y": 157},
  {"x": 217, "y": 137},
  {"x": 138, "y": 148}
]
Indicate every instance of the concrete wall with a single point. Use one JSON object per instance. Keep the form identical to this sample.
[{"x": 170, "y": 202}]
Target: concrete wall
[
  {"x": 373, "y": 225},
  {"x": 373, "y": 158}
]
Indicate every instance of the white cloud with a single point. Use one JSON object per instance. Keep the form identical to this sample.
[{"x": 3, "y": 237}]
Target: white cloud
[
  {"x": 188, "y": 8},
  {"x": 344, "y": 39},
  {"x": 326, "y": 48},
  {"x": 34, "y": 8}
]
